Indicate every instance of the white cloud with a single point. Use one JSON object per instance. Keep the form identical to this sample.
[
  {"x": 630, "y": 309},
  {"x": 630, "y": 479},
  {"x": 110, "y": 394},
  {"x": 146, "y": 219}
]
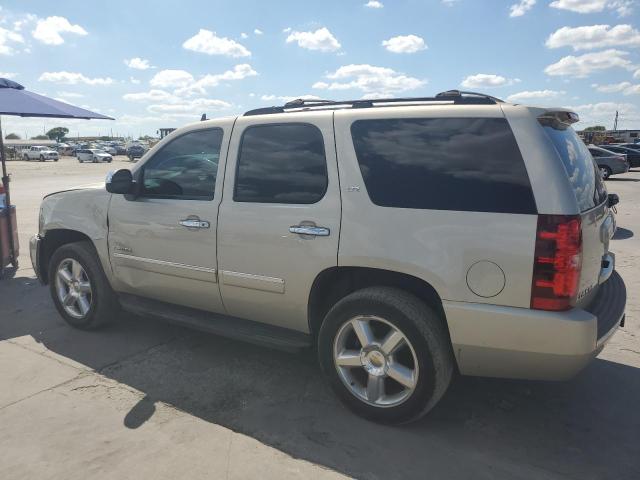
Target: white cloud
[
  {"x": 603, "y": 113},
  {"x": 152, "y": 95},
  {"x": 73, "y": 78},
  {"x": 188, "y": 108},
  {"x": 244, "y": 36},
  {"x": 322, "y": 39},
  {"x": 206, "y": 41},
  {"x": 528, "y": 95},
  {"x": 7, "y": 74},
  {"x": 374, "y": 4},
  {"x": 257, "y": 31},
  {"x": 450, "y": 3},
  {"x": 70, "y": 95},
  {"x": 371, "y": 80},
  {"x": 636, "y": 74},
  {"x": 49, "y": 30},
  {"x": 583, "y": 65},
  {"x": 623, "y": 7},
  {"x": 285, "y": 99},
  {"x": 8, "y": 39},
  {"x": 239, "y": 72},
  {"x": 520, "y": 8},
  {"x": 134, "y": 80},
  {"x": 171, "y": 78},
  {"x": 485, "y": 80},
  {"x": 405, "y": 44},
  {"x": 626, "y": 88},
  {"x": 138, "y": 63},
  {"x": 594, "y": 36}
]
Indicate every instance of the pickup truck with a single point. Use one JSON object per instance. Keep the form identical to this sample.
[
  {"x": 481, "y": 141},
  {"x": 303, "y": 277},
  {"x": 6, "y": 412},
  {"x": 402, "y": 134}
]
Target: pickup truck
[{"x": 40, "y": 153}]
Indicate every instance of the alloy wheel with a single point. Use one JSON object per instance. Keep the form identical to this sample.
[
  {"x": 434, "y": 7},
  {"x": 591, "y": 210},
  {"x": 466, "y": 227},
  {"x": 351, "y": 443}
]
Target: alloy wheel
[
  {"x": 375, "y": 361},
  {"x": 73, "y": 287}
]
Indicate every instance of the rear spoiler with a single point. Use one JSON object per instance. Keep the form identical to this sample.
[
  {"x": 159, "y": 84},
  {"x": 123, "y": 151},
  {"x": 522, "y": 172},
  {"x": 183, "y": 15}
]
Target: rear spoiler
[{"x": 561, "y": 115}]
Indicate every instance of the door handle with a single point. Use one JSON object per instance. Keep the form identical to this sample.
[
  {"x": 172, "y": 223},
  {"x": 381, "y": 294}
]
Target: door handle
[
  {"x": 194, "y": 223},
  {"x": 310, "y": 230}
]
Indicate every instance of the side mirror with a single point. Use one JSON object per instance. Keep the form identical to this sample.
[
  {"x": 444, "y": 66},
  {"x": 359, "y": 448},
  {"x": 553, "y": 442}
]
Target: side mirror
[
  {"x": 612, "y": 200},
  {"x": 120, "y": 181}
]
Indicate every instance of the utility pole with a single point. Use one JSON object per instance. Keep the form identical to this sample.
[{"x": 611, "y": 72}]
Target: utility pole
[{"x": 615, "y": 123}]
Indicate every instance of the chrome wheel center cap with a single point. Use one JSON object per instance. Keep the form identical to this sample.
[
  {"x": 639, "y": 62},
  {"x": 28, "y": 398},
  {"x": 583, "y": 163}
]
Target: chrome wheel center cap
[{"x": 374, "y": 362}]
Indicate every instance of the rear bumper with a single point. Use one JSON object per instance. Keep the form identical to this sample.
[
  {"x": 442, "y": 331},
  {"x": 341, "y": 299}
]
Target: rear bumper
[{"x": 496, "y": 341}]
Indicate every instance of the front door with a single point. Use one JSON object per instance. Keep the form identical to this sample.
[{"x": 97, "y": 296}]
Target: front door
[
  {"x": 162, "y": 242},
  {"x": 279, "y": 217}
]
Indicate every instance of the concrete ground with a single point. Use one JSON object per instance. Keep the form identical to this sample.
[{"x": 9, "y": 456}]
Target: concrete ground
[{"x": 143, "y": 399}]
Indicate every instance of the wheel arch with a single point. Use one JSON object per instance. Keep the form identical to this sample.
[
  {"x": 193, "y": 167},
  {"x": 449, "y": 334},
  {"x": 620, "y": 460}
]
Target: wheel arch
[
  {"x": 335, "y": 283},
  {"x": 52, "y": 240}
]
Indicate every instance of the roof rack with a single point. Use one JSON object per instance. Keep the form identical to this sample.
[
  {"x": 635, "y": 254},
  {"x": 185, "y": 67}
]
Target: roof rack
[{"x": 455, "y": 97}]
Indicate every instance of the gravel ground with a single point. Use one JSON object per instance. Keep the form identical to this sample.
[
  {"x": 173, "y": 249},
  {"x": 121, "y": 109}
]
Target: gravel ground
[{"x": 147, "y": 400}]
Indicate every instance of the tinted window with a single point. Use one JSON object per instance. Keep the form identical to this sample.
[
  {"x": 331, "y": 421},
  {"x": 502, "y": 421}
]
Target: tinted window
[
  {"x": 468, "y": 164},
  {"x": 186, "y": 168},
  {"x": 587, "y": 184},
  {"x": 281, "y": 164}
]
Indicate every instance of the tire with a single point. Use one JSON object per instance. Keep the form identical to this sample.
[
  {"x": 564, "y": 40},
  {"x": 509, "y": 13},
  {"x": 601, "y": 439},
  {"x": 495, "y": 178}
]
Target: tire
[
  {"x": 25, "y": 158},
  {"x": 425, "y": 344},
  {"x": 605, "y": 172},
  {"x": 102, "y": 302},
  {"x": 41, "y": 158}
]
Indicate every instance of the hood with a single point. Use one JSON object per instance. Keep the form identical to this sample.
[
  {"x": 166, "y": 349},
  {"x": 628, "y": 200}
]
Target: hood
[{"x": 90, "y": 186}]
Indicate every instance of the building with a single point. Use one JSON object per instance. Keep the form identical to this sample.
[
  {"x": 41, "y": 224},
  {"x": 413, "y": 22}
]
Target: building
[{"x": 164, "y": 132}]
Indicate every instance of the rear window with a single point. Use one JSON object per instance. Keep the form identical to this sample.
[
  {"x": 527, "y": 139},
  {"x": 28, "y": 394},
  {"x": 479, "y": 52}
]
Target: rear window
[
  {"x": 464, "y": 164},
  {"x": 582, "y": 171}
]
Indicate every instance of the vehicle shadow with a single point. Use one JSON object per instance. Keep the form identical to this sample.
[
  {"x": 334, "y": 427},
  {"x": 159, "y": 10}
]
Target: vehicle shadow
[
  {"x": 618, "y": 179},
  {"x": 483, "y": 428},
  {"x": 622, "y": 234}
]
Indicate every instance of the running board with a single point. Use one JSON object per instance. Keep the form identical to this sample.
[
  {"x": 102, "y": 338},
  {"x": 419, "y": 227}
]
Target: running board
[{"x": 223, "y": 325}]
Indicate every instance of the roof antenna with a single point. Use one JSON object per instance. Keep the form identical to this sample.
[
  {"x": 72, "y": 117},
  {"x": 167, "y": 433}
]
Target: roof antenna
[{"x": 203, "y": 117}]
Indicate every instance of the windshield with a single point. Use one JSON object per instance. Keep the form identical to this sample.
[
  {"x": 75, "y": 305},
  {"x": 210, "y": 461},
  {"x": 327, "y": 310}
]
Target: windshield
[
  {"x": 582, "y": 171},
  {"x": 99, "y": 151}
]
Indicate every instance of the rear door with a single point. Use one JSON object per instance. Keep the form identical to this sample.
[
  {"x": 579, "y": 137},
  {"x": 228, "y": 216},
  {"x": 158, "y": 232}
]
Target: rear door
[
  {"x": 162, "y": 243},
  {"x": 279, "y": 220},
  {"x": 591, "y": 197}
]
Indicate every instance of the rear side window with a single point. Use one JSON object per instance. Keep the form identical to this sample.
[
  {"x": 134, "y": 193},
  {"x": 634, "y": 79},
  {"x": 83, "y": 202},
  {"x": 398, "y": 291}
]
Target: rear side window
[
  {"x": 283, "y": 163},
  {"x": 584, "y": 177},
  {"x": 464, "y": 164}
]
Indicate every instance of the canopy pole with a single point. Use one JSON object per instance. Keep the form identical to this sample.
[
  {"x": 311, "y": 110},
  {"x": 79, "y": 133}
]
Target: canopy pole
[{"x": 5, "y": 183}]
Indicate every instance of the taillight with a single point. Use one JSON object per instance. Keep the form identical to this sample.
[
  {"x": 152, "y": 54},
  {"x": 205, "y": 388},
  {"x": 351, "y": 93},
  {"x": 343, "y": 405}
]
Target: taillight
[{"x": 557, "y": 262}]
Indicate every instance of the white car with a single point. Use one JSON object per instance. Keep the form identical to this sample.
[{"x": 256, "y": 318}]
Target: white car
[
  {"x": 40, "y": 153},
  {"x": 93, "y": 155}
]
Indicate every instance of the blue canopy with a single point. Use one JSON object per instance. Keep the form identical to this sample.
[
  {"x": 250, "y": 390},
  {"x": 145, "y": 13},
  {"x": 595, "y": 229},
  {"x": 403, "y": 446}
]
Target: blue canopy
[{"x": 15, "y": 100}]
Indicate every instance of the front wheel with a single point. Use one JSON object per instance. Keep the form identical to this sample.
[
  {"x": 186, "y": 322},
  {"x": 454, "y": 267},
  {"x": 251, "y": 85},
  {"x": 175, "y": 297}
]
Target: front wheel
[
  {"x": 41, "y": 158},
  {"x": 605, "y": 172},
  {"x": 79, "y": 288},
  {"x": 386, "y": 354}
]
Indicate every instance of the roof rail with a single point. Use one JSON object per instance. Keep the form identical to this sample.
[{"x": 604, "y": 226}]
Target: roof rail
[{"x": 455, "y": 97}]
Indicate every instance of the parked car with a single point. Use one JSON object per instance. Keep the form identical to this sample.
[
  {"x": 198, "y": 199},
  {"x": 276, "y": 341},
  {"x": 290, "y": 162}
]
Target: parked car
[
  {"x": 633, "y": 156},
  {"x": 135, "y": 151},
  {"x": 39, "y": 153},
  {"x": 120, "y": 150},
  {"x": 634, "y": 146},
  {"x": 405, "y": 240},
  {"x": 608, "y": 162},
  {"x": 93, "y": 155},
  {"x": 67, "y": 150},
  {"x": 110, "y": 149}
]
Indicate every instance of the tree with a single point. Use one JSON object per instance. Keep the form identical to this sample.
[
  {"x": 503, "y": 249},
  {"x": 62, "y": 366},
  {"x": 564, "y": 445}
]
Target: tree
[
  {"x": 40, "y": 137},
  {"x": 57, "y": 133},
  {"x": 597, "y": 128},
  {"x": 12, "y": 136}
]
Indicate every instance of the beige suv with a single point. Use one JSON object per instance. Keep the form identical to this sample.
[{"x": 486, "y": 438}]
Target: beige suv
[{"x": 405, "y": 239}]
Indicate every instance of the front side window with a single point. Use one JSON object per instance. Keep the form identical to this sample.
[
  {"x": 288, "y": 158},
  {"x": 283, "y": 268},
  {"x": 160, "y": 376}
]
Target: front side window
[
  {"x": 186, "y": 168},
  {"x": 463, "y": 164},
  {"x": 281, "y": 163}
]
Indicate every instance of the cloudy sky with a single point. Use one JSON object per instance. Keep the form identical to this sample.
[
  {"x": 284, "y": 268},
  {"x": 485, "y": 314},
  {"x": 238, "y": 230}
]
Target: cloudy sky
[{"x": 152, "y": 66}]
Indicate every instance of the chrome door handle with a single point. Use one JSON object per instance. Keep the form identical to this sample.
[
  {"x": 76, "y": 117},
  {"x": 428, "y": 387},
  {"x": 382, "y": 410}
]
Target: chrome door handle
[
  {"x": 194, "y": 223},
  {"x": 310, "y": 230}
]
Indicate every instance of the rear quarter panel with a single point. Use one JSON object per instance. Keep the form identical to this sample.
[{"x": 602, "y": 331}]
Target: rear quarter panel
[{"x": 438, "y": 246}]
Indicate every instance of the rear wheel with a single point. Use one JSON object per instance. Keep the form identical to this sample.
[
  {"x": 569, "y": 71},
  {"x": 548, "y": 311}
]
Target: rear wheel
[
  {"x": 386, "y": 354},
  {"x": 605, "y": 171},
  {"x": 79, "y": 288},
  {"x": 41, "y": 158}
]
